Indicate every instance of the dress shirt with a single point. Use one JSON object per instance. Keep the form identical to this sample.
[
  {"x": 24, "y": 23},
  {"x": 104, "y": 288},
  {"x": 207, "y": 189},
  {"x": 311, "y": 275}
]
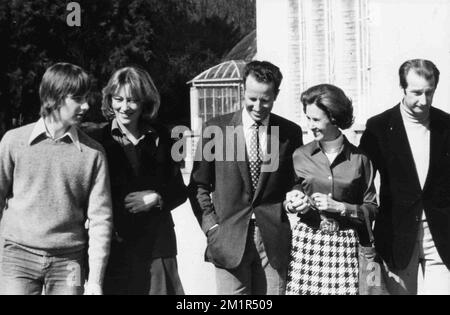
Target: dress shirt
[
  {"x": 247, "y": 124},
  {"x": 349, "y": 179}
]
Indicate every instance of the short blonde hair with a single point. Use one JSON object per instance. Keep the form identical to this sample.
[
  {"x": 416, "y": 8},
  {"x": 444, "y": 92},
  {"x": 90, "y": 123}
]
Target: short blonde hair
[{"x": 142, "y": 89}]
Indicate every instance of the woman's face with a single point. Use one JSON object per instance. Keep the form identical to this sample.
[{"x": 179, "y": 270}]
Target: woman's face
[
  {"x": 126, "y": 109},
  {"x": 319, "y": 124}
]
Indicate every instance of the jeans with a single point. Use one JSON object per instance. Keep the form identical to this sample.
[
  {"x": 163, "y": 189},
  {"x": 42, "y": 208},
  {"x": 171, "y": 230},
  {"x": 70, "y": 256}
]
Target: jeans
[
  {"x": 254, "y": 275},
  {"x": 26, "y": 271}
]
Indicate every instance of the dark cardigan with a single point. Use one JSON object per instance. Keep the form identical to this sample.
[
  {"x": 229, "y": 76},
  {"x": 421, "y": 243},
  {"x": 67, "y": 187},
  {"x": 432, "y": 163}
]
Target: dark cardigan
[{"x": 151, "y": 233}]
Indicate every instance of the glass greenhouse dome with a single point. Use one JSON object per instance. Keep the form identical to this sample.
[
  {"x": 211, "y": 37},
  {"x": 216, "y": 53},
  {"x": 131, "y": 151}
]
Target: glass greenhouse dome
[{"x": 216, "y": 91}]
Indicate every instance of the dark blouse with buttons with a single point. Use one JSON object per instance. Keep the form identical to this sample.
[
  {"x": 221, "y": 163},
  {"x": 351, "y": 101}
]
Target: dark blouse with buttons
[{"x": 349, "y": 179}]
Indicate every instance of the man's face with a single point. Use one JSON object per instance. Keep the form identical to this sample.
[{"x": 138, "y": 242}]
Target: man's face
[
  {"x": 419, "y": 93},
  {"x": 73, "y": 110},
  {"x": 259, "y": 98}
]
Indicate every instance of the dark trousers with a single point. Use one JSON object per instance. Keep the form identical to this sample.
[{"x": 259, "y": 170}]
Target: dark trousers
[
  {"x": 131, "y": 272},
  {"x": 254, "y": 275}
]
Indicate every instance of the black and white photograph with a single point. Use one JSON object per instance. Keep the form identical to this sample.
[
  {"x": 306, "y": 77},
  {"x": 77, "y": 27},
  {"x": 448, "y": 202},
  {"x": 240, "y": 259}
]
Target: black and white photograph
[{"x": 225, "y": 148}]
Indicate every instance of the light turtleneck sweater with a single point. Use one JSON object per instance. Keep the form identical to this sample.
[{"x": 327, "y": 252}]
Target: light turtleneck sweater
[
  {"x": 333, "y": 147},
  {"x": 418, "y": 132}
]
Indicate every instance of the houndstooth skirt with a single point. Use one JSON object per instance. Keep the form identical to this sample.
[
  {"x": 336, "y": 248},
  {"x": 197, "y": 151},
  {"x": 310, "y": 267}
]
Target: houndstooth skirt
[{"x": 321, "y": 263}]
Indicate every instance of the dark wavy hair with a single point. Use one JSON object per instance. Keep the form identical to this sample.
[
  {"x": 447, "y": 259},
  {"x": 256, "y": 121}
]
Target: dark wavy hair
[
  {"x": 333, "y": 101},
  {"x": 264, "y": 71},
  {"x": 142, "y": 89},
  {"x": 59, "y": 81}
]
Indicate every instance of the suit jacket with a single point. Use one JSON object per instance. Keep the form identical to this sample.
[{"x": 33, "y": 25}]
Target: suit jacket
[
  {"x": 402, "y": 199},
  {"x": 232, "y": 202},
  {"x": 150, "y": 233}
]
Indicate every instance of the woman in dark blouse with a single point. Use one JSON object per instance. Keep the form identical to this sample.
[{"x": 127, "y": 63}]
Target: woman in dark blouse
[
  {"x": 334, "y": 188},
  {"x": 146, "y": 185}
]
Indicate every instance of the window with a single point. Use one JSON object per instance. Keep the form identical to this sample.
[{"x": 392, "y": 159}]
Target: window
[
  {"x": 218, "y": 100},
  {"x": 334, "y": 46}
]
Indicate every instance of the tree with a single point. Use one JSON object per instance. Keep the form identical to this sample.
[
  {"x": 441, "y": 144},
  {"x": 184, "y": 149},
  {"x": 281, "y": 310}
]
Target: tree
[{"x": 169, "y": 38}]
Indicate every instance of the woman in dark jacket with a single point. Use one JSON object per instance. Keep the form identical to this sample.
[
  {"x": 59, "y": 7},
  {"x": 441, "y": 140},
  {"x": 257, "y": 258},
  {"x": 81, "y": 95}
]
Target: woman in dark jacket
[{"x": 146, "y": 185}]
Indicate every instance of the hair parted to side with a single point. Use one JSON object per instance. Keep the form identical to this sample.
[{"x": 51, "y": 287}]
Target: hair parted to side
[
  {"x": 58, "y": 82},
  {"x": 333, "y": 101},
  {"x": 141, "y": 88},
  {"x": 424, "y": 68},
  {"x": 264, "y": 71}
]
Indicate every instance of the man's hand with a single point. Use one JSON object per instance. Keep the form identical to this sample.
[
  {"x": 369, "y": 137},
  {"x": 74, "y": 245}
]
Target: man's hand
[
  {"x": 93, "y": 289},
  {"x": 142, "y": 201}
]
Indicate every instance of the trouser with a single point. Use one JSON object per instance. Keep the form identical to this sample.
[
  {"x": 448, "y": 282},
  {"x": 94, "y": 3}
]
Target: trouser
[
  {"x": 254, "y": 275},
  {"x": 425, "y": 273},
  {"x": 25, "y": 271}
]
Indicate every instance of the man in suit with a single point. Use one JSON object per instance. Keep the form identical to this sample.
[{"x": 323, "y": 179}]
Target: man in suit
[
  {"x": 248, "y": 233},
  {"x": 409, "y": 145}
]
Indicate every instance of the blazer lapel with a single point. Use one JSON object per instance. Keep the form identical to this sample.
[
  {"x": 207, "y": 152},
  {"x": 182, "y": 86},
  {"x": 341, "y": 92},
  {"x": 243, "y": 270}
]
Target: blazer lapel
[
  {"x": 242, "y": 165},
  {"x": 437, "y": 139},
  {"x": 399, "y": 144}
]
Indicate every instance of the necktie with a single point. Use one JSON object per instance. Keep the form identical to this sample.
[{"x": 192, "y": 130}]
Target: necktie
[{"x": 254, "y": 156}]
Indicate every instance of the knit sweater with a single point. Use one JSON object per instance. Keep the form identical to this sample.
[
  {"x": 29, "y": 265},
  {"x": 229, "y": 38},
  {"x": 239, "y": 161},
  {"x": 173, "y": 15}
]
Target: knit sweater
[{"x": 49, "y": 189}]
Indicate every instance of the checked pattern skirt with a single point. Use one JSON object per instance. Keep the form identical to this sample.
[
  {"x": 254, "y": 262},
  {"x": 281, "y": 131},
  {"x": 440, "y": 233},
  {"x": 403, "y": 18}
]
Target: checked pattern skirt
[{"x": 321, "y": 263}]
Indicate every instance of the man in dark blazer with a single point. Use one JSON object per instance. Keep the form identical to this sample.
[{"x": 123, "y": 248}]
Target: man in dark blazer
[
  {"x": 409, "y": 145},
  {"x": 237, "y": 195}
]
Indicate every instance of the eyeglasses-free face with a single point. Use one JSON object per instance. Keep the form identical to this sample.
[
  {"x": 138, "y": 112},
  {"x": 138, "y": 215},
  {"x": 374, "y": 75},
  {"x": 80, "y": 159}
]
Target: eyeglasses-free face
[
  {"x": 73, "y": 110},
  {"x": 126, "y": 109}
]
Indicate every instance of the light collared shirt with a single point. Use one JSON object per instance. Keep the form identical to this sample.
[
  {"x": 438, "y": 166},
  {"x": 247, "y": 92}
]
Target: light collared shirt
[
  {"x": 41, "y": 129},
  {"x": 349, "y": 179},
  {"x": 247, "y": 123},
  {"x": 115, "y": 128}
]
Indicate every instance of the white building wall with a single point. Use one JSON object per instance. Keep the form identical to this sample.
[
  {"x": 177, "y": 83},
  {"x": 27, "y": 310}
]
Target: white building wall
[
  {"x": 397, "y": 30},
  {"x": 402, "y": 30},
  {"x": 272, "y": 36}
]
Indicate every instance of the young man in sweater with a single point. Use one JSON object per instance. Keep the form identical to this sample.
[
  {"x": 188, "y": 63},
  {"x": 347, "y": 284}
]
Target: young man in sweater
[
  {"x": 409, "y": 145},
  {"x": 53, "y": 183}
]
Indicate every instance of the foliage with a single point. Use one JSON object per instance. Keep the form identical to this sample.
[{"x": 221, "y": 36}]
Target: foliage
[{"x": 174, "y": 40}]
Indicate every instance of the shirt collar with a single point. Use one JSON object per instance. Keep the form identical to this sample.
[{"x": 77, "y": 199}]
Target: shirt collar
[
  {"x": 41, "y": 129},
  {"x": 315, "y": 148},
  {"x": 146, "y": 130},
  {"x": 248, "y": 121}
]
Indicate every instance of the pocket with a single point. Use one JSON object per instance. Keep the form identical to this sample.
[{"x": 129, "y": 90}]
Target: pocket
[
  {"x": 211, "y": 235},
  {"x": 10, "y": 246},
  {"x": 12, "y": 257},
  {"x": 213, "y": 246}
]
